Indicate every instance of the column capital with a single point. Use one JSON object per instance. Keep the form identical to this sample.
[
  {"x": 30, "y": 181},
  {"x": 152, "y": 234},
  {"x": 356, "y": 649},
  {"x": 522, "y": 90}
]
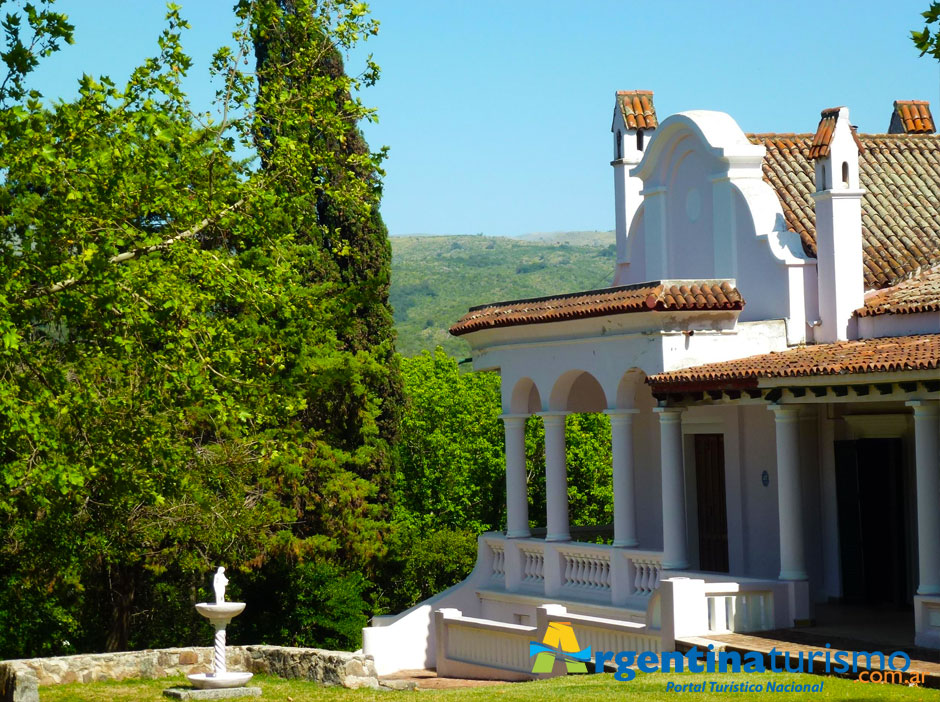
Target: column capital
[
  {"x": 553, "y": 418},
  {"x": 669, "y": 415},
  {"x": 924, "y": 408},
  {"x": 619, "y": 417},
  {"x": 785, "y": 413},
  {"x": 514, "y": 419}
]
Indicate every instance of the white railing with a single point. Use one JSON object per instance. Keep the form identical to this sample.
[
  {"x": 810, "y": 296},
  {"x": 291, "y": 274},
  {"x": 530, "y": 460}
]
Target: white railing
[
  {"x": 498, "y": 567},
  {"x": 732, "y": 608},
  {"x": 533, "y": 564},
  {"x": 585, "y": 568},
  {"x": 647, "y": 572},
  {"x": 467, "y": 644},
  {"x": 593, "y": 572}
]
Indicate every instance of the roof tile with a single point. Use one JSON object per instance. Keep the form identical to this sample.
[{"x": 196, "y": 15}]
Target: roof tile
[
  {"x": 920, "y": 352},
  {"x": 911, "y": 117},
  {"x": 658, "y": 296},
  {"x": 900, "y": 174},
  {"x": 637, "y": 109},
  {"x": 919, "y": 293}
]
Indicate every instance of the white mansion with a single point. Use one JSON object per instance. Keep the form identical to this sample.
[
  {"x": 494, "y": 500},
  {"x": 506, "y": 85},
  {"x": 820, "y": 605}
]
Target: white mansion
[{"x": 769, "y": 356}]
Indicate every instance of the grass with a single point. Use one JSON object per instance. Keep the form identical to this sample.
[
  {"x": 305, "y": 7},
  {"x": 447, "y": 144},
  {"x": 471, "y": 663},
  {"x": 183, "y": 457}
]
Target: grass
[{"x": 650, "y": 687}]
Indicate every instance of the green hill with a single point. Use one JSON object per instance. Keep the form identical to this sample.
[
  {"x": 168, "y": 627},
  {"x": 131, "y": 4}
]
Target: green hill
[{"x": 435, "y": 279}]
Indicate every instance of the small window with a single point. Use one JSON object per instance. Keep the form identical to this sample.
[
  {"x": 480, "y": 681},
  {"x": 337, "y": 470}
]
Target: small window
[
  {"x": 845, "y": 173},
  {"x": 618, "y": 146},
  {"x": 639, "y": 139}
]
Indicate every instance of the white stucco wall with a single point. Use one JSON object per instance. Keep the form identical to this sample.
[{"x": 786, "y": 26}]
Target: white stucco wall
[
  {"x": 707, "y": 213},
  {"x": 899, "y": 324}
]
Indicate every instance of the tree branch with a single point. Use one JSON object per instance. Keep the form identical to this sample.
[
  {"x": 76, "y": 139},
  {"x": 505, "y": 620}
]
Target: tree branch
[{"x": 137, "y": 253}]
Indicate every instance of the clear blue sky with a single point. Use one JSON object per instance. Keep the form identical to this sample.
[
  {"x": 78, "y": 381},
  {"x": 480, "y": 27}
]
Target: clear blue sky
[{"x": 498, "y": 113}]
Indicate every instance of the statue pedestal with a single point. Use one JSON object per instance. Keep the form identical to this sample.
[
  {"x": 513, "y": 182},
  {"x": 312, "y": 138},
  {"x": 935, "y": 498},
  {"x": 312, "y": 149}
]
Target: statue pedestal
[{"x": 226, "y": 693}]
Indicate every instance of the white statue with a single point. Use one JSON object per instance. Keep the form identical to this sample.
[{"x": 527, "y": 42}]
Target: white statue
[{"x": 218, "y": 583}]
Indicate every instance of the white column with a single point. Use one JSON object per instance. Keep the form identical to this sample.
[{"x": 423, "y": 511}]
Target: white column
[
  {"x": 517, "y": 498},
  {"x": 789, "y": 493},
  {"x": 927, "y": 460},
  {"x": 621, "y": 444},
  {"x": 556, "y": 477},
  {"x": 675, "y": 547}
]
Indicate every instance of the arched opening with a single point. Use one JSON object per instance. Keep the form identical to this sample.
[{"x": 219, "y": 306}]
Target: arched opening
[
  {"x": 845, "y": 173},
  {"x": 525, "y": 398},
  {"x": 587, "y": 456},
  {"x": 577, "y": 391},
  {"x": 618, "y": 145},
  {"x": 631, "y": 381}
]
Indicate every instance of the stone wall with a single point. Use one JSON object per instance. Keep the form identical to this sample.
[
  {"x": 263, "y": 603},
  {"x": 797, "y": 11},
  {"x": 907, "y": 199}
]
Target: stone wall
[{"x": 20, "y": 679}]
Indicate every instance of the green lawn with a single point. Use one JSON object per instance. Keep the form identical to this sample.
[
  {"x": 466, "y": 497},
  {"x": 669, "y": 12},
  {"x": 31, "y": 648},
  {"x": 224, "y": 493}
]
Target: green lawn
[{"x": 573, "y": 688}]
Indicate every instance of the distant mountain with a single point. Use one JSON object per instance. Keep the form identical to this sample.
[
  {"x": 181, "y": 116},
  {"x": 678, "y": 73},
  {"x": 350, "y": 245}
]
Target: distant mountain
[{"x": 436, "y": 279}]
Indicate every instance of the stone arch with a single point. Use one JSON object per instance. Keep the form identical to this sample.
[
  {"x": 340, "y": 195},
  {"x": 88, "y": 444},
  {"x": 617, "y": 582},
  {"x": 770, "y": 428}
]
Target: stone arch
[
  {"x": 525, "y": 398},
  {"x": 631, "y": 382},
  {"x": 577, "y": 391}
]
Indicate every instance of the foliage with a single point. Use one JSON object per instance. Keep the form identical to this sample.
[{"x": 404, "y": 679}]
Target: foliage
[
  {"x": 436, "y": 279},
  {"x": 452, "y": 467},
  {"x": 424, "y": 563},
  {"x": 589, "y": 461},
  {"x": 308, "y": 604},
  {"x": 180, "y": 384},
  {"x": 928, "y": 40}
]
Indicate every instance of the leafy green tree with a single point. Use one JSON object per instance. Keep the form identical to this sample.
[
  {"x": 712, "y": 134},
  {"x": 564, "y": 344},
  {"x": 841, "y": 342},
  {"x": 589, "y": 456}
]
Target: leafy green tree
[
  {"x": 175, "y": 349},
  {"x": 332, "y": 194},
  {"x": 928, "y": 40},
  {"x": 452, "y": 472}
]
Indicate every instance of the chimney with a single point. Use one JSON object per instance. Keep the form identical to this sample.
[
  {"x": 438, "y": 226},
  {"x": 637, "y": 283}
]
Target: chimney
[
  {"x": 911, "y": 117},
  {"x": 634, "y": 122},
  {"x": 835, "y": 150}
]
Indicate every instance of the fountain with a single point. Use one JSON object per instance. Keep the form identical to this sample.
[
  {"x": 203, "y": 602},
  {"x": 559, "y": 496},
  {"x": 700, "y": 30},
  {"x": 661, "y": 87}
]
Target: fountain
[{"x": 219, "y": 614}]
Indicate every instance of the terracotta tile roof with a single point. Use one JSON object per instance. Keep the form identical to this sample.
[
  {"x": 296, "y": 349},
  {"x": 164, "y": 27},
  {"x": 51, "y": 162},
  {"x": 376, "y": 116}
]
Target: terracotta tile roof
[
  {"x": 920, "y": 293},
  {"x": 637, "y": 109},
  {"x": 911, "y": 117},
  {"x": 823, "y": 137},
  {"x": 900, "y": 210},
  {"x": 843, "y": 357},
  {"x": 659, "y": 296}
]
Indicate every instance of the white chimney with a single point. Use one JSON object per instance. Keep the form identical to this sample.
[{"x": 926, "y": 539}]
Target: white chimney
[
  {"x": 633, "y": 124},
  {"x": 841, "y": 281}
]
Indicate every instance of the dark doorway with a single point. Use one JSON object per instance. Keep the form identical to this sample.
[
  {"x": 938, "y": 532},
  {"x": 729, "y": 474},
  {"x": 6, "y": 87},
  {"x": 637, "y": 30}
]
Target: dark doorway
[
  {"x": 872, "y": 533},
  {"x": 712, "y": 512}
]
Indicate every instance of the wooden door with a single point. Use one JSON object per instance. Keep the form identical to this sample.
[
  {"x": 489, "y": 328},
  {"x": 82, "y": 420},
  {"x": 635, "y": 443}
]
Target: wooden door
[{"x": 712, "y": 510}]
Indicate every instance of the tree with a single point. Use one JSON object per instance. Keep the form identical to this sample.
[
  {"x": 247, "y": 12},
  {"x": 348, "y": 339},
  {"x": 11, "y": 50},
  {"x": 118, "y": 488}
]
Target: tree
[
  {"x": 929, "y": 41},
  {"x": 332, "y": 193},
  {"x": 175, "y": 349}
]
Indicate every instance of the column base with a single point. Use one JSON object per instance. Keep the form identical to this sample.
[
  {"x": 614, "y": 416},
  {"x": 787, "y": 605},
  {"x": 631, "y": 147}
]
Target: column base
[
  {"x": 558, "y": 537},
  {"x": 928, "y": 591},
  {"x": 518, "y": 534},
  {"x": 678, "y": 565},
  {"x": 792, "y": 575},
  {"x": 627, "y": 543}
]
